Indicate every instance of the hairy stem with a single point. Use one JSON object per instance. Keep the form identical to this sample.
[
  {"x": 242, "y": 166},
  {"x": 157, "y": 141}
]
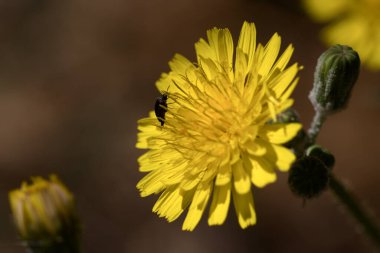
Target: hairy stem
[
  {"x": 316, "y": 125},
  {"x": 357, "y": 211}
]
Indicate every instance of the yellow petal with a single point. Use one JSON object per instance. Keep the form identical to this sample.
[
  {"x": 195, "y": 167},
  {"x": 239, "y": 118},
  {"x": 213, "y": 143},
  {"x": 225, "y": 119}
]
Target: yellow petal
[
  {"x": 194, "y": 176},
  {"x": 180, "y": 64},
  {"x": 270, "y": 54},
  {"x": 226, "y": 48},
  {"x": 247, "y": 42},
  {"x": 151, "y": 183},
  {"x": 266, "y": 115},
  {"x": 172, "y": 203},
  {"x": 245, "y": 209},
  {"x": 282, "y": 157},
  {"x": 282, "y": 82},
  {"x": 279, "y": 133},
  {"x": 145, "y": 162},
  {"x": 241, "y": 70},
  {"x": 234, "y": 155},
  {"x": 254, "y": 147},
  {"x": 209, "y": 68},
  {"x": 242, "y": 184},
  {"x": 224, "y": 175},
  {"x": 210, "y": 172},
  {"x": 197, "y": 206},
  {"x": 203, "y": 50},
  {"x": 262, "y": 172},
  {"x": 220, "y": 40},
  {"x": 164, "y": 82},
  {"x": 220, "y": 204},
  {"x": 289, "y": 90},
  {"x": 282, "y": 61},
  {"x": 175, "y": 174},
  {"x": 147, "y": 129},
  {"x": 190, "y": 182}
]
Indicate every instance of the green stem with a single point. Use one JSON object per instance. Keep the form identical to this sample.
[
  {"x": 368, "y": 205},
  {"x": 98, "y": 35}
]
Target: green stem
[
  {"x": 316, "y": 125},
  {"x": 357, "y": 211}
]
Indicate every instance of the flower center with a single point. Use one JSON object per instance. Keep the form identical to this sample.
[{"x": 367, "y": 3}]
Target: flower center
[{"x": 212, "y": 118}]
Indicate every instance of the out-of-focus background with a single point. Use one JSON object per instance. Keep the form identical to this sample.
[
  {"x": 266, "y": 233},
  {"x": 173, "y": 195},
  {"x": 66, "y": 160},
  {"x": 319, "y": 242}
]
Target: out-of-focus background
[{"x": 75, "y": 76}]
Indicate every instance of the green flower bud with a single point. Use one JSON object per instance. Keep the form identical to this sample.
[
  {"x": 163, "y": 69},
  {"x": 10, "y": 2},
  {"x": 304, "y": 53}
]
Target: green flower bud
[
  {"x": 335, "y": 75},
  {"x": 45, "y": 217},
  {"x": 322, "y": 154},
  {"x": 308, "y": 177}
]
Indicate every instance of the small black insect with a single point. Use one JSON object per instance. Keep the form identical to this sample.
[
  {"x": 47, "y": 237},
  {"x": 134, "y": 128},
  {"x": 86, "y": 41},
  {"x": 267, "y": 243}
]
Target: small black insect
[{"x": 160, "y": 108}]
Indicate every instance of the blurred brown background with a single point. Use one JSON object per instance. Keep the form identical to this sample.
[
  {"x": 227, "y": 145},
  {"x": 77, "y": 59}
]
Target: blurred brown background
[{"x": 75, "y": 76}]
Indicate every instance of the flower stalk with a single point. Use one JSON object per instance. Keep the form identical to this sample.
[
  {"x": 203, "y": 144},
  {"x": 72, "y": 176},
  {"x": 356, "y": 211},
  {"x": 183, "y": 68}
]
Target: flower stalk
[
  {"x": 316, "y": 125},
  {"x": 344, "y": 196},
  {"x": 340, "y": 191},
  {"x": 357, "y": 211},
  {"x": 336, "y": 73}
]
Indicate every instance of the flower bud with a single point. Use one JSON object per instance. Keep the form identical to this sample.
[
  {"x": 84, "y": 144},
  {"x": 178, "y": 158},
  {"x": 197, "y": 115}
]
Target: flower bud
[
  {"x": 45, "y": 217},
  {"x": 308, "y": 177},
  {"x": 335, "y": 75},
  {"x": 322, "y": 154}
]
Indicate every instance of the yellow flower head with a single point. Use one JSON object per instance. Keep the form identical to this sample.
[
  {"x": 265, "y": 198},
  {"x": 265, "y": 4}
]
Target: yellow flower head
[
  {"x": 354, "y": 22},
  {"x": 43, "y": 211},
  {"x": 216, "y": 138}
]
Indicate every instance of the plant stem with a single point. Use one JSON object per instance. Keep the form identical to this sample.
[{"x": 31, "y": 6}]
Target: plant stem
[
  {"x": 357, "y": 211},
  {"x": 316, "y": 125}
]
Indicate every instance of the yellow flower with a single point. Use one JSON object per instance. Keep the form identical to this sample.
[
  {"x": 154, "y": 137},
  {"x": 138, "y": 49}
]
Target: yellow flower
[
  {"x": 44, "y": 214},
  {"x": 216, "y": 139},
  {"x": 354, "y": 22}
]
